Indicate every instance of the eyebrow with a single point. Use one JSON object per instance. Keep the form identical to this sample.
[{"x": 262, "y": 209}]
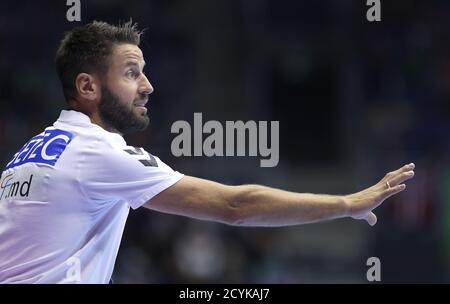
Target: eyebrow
[{"x": 133, "y": 63}]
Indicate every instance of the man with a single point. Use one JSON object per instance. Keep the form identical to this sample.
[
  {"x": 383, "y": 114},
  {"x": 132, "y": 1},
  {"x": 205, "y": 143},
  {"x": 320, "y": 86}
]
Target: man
[{"x": 65, "y": 195}]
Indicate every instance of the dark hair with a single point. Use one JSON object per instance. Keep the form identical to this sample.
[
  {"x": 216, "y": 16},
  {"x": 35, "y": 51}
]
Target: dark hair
[{"x": 87, "y": 48}]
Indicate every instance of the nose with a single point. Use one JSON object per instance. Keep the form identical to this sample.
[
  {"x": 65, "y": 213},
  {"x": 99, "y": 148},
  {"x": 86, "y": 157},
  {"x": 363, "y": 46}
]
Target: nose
[{"x": 145, "y": 87}]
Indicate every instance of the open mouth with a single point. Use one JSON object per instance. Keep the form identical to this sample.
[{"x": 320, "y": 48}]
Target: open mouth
[
  {"x": 140, "y": 106},
  {"x": 141, "y": 103}
]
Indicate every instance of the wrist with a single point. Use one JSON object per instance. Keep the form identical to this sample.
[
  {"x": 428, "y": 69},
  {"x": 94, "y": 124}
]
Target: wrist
[{"x": 346, "y": 202}]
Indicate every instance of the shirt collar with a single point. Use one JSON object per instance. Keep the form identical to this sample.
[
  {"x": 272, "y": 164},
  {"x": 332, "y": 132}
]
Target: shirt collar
[{"x": 72, "y": 117}]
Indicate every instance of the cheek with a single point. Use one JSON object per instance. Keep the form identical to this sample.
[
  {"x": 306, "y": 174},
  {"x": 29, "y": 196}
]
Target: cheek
[{"x": 127, "y": 92}]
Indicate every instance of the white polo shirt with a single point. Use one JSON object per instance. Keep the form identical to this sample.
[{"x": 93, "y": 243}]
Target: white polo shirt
[{"x": 64, "y": 200}]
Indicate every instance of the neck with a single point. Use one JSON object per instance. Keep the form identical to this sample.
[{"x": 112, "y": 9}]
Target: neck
[
  {"x": 96, "y": 119},
  {"x": 94, "y": 116}
]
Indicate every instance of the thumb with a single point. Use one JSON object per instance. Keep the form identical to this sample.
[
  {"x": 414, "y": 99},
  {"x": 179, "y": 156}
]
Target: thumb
[{"x": 371, "y": 218}]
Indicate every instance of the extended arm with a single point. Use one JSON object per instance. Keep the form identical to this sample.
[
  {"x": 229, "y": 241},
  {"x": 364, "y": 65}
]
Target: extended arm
[{"x": 255, "y": 205}]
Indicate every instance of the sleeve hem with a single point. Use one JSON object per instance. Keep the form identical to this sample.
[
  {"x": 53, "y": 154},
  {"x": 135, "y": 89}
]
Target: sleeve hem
[{"x": 141, "y": 200}]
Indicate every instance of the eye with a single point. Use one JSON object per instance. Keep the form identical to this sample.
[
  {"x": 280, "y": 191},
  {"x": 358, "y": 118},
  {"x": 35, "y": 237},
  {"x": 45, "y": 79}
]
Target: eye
[{"x": 132, "y": 74}]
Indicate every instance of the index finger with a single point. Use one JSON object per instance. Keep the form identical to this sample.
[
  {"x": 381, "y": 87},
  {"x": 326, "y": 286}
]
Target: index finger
[{"x": 405, "y": 168}]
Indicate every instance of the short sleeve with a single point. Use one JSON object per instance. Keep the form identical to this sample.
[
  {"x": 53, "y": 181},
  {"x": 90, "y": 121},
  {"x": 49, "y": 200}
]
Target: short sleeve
[{"x": 131, "y": 174}]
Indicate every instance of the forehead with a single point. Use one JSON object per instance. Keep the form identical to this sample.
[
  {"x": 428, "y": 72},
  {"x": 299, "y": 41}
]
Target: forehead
[{"x": 124, "y": 52}]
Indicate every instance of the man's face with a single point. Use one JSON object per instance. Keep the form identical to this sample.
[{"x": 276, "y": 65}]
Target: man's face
[{"x": 125, "y": 91}]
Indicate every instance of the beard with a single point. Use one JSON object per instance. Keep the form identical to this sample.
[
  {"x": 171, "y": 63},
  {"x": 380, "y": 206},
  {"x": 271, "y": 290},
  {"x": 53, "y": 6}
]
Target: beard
[{"x": 118, "y": 116}]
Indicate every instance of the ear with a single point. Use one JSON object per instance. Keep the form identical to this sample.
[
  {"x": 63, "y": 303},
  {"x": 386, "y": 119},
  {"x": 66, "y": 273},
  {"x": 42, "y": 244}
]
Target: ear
[{"x": 88, "y": 87}]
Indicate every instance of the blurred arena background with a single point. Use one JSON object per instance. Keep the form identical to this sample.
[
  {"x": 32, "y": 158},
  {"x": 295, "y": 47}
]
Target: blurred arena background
[{"x": 354, "y": 99}]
